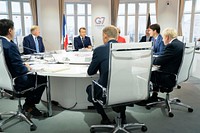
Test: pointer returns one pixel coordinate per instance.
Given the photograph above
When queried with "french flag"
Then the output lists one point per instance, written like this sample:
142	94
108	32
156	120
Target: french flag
64	33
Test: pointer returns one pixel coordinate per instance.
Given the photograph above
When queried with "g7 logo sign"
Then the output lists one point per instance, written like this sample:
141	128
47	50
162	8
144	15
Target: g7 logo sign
99	20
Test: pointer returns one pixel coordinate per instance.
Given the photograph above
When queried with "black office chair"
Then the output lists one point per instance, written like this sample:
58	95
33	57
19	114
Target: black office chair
183	75
7	82
128	82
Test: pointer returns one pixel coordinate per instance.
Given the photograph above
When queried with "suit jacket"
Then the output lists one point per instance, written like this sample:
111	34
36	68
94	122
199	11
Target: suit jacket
158	45
78	44
100	62
29	44
121	39
171	58
13	59
143	39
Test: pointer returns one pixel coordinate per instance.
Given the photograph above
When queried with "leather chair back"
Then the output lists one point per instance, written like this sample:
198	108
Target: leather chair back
187	60
129	72
5	78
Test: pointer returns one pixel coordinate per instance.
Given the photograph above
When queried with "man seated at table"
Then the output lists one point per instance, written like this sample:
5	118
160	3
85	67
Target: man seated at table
17	68
100	62
82	41
158	45
169	62
146	37
33	42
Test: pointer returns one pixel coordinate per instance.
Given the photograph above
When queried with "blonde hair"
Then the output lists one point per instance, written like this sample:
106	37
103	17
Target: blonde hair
111	31
171	32
34	27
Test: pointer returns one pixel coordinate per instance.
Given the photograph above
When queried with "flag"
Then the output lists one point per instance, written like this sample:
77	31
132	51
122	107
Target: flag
148	21
64	33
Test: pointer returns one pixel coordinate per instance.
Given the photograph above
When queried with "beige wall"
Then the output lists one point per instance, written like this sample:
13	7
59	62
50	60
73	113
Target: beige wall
101	12
168	14
49	19
48	11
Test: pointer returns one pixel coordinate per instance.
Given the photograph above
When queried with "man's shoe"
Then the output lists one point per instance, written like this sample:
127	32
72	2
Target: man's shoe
105	122
32	110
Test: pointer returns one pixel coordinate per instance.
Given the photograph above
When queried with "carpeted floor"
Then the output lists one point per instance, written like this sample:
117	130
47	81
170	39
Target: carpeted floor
79	121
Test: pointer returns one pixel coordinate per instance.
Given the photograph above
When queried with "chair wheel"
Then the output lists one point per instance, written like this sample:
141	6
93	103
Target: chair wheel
171	114
92	130
33	127
178	86
144	129
178	100
190	110
148	107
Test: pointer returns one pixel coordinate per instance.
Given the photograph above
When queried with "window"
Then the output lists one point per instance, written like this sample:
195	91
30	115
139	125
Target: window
77	15
20	12
196	31
187	20
132	17
191	20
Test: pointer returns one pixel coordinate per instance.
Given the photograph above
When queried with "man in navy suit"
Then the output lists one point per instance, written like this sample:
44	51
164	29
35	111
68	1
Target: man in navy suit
100	62
158	45
169	62
17	68
82	41
147	37
33	42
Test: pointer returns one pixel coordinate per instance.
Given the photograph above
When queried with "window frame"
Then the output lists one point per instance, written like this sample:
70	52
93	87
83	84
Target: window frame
136	15
21	14
76	15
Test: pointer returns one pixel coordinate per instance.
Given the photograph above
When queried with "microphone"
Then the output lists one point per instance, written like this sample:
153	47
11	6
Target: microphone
30	49
38	55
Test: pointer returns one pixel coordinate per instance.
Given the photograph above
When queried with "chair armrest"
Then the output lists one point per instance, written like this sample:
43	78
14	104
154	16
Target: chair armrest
173	74
31	88
13	80
104	92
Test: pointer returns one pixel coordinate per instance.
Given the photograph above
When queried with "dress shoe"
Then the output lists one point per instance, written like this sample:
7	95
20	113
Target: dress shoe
32	110
105	122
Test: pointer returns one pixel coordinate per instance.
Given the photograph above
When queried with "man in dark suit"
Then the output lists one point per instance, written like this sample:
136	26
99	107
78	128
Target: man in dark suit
17	68
100	62
82	41
147	37
158	45
169	62
33	42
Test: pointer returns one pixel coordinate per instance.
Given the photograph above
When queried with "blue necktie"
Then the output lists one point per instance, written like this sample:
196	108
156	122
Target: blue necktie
37	45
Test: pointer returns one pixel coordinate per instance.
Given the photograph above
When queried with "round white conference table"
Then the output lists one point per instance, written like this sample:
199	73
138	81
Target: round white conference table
67	82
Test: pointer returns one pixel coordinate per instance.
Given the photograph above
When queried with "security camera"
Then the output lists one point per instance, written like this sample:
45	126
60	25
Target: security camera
168	3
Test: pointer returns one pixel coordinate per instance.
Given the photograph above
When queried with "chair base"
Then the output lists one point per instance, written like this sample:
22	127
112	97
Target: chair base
18	114
126	128
167	103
